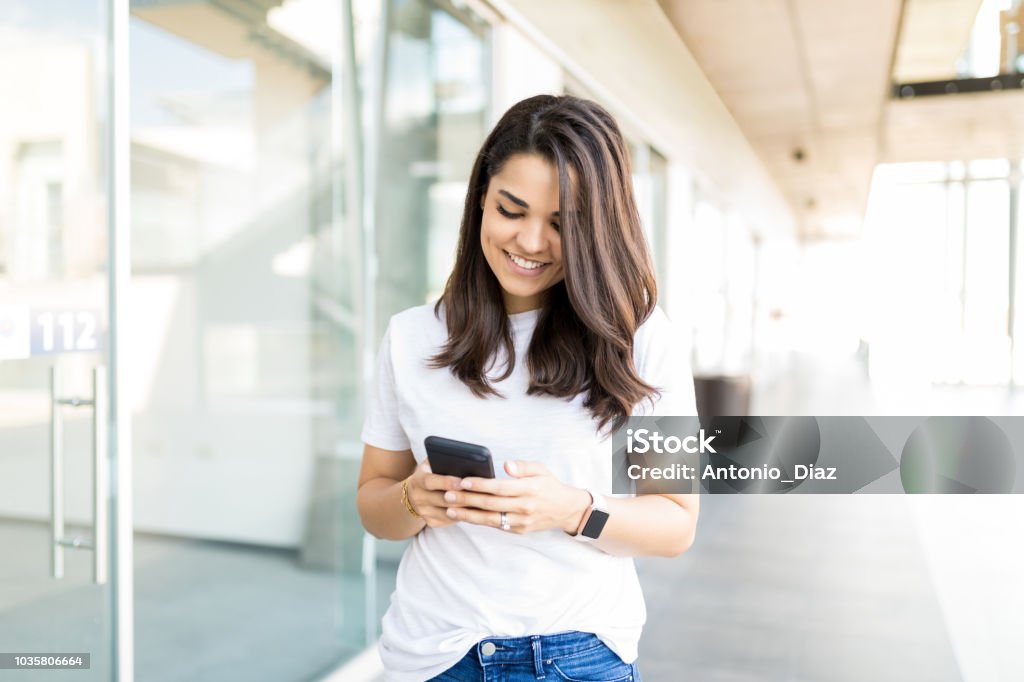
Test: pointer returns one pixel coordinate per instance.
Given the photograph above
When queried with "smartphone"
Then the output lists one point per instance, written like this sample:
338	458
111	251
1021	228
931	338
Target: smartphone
455	458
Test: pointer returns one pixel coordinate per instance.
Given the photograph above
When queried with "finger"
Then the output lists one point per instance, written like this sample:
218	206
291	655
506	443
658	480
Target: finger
427	500
439	520
493	486
520	468
483	501
477	516
439	482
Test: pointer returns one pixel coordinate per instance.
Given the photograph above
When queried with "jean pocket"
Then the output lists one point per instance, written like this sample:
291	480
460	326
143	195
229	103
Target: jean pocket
466	670
599	664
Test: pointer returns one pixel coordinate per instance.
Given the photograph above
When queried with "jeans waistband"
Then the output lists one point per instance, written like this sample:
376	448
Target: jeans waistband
535	647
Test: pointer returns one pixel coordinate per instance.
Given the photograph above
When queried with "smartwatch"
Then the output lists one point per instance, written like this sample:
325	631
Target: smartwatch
593	519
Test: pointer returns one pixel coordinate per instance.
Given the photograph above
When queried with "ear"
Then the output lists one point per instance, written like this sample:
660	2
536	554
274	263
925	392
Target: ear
482	198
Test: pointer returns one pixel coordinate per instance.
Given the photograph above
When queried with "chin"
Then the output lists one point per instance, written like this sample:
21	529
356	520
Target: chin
524	292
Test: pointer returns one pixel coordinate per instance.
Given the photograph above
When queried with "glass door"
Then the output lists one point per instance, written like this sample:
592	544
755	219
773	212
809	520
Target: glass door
246	337
55	578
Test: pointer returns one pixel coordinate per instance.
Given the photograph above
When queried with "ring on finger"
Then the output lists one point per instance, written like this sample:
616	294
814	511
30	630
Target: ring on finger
505	525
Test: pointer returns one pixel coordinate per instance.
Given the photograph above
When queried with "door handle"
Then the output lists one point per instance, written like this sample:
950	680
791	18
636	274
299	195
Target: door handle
56	478
59	542
100	487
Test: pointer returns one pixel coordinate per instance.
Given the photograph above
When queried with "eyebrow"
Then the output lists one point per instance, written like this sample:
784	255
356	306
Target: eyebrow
519	202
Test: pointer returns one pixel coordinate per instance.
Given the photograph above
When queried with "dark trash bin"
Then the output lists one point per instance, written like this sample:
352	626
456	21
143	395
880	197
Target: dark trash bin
722	396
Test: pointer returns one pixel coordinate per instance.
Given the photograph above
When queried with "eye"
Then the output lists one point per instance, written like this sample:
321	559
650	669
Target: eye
558	228
502	211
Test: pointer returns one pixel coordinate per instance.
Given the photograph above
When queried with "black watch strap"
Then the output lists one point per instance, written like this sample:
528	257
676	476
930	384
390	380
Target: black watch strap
597	517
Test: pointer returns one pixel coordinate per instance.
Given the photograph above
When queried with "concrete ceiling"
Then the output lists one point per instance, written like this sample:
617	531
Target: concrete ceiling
987	125
808	82
934	36
813	79
952	127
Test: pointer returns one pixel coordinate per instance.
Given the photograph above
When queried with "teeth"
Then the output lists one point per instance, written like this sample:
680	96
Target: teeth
523	263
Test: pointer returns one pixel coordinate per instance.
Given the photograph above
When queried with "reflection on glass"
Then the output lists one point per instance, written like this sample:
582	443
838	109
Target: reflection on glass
435	98
244	324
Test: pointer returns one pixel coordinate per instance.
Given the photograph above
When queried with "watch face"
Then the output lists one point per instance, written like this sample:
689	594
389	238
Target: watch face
595	524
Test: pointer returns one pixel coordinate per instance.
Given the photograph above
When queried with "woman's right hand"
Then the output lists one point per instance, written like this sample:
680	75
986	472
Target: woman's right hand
426	495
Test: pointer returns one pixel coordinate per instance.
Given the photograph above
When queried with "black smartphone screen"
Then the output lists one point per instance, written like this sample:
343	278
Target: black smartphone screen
456	458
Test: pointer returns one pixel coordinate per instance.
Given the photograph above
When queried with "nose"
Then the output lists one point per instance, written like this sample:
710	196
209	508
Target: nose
532	237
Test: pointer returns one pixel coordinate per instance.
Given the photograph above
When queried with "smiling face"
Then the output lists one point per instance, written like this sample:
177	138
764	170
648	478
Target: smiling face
519	233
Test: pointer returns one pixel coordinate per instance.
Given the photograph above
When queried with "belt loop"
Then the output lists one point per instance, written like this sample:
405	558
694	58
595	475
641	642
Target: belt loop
538	657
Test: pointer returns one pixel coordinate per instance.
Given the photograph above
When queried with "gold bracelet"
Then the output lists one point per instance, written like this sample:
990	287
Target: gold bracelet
406	502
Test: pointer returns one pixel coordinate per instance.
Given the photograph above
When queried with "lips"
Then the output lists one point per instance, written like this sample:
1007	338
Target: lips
520	270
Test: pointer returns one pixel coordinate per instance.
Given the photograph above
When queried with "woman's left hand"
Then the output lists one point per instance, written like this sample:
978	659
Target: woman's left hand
533	500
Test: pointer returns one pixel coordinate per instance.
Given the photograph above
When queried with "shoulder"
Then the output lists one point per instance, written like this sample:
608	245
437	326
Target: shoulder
661	352
657	320
418	329
657	342
656	329
418	317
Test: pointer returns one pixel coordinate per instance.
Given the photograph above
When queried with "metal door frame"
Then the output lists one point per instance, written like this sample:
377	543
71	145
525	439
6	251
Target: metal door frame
119	443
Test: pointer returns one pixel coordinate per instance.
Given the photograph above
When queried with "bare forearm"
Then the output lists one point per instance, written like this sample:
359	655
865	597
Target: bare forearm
382	511
646	525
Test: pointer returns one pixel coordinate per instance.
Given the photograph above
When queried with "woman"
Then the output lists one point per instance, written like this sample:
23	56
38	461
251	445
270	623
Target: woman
545	337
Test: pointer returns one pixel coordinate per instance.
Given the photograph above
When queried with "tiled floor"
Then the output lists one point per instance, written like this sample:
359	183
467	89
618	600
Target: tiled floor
204	611
879	588
796	588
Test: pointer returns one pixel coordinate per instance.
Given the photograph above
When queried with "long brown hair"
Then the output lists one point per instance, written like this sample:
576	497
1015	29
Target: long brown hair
583	340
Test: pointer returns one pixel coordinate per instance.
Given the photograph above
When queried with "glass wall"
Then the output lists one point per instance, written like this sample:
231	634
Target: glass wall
1017	309
245	324
723	284
657	168
436	94
54	596
435	97
945	232
650	182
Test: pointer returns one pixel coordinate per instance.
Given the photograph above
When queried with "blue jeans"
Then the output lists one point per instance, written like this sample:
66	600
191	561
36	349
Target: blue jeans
563	657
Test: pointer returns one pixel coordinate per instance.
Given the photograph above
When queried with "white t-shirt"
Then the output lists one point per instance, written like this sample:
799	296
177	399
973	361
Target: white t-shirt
462	583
